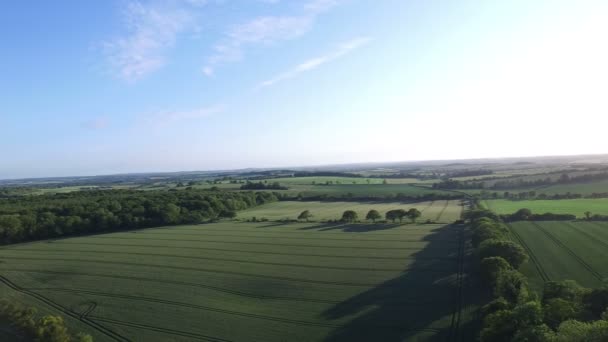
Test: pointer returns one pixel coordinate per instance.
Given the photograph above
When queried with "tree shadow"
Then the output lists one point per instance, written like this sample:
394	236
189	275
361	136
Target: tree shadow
422	304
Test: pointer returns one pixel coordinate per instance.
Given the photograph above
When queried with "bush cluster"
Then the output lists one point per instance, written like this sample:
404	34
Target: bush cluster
25	322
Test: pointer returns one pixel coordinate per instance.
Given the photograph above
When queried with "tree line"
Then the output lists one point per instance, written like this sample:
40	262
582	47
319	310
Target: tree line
351	216
263	186
49	216
566	312
30	327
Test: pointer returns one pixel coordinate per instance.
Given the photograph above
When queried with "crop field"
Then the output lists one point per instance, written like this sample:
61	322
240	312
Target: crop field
576	207
237	281
564	250
441	211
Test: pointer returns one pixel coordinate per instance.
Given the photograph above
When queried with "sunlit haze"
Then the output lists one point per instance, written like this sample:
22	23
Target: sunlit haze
125	86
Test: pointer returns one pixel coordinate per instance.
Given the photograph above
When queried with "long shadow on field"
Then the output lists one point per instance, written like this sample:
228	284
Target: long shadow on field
355	228
419	305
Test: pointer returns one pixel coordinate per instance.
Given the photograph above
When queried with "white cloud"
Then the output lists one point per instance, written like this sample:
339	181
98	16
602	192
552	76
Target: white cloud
152	29
316	62
265	30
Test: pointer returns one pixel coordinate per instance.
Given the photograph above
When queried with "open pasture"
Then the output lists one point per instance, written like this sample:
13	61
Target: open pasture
576	207
249	282
443	211
564	250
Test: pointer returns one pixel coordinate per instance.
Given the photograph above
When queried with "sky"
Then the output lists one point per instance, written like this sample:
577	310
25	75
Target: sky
116	86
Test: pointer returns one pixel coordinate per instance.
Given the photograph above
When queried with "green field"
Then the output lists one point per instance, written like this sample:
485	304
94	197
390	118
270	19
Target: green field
564	250
576	207
251	282
440	211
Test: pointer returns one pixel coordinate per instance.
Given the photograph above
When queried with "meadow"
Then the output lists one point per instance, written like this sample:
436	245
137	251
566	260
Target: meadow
275	282
576	207
440	211
564	250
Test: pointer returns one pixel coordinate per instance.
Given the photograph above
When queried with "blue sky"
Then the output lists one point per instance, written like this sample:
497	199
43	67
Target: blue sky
96	87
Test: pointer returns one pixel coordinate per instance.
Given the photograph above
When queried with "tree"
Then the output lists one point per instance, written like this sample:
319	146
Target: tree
305	215
391	215
349	216
588	215
373	215
492	267
230	214
510	251
522	214
413	214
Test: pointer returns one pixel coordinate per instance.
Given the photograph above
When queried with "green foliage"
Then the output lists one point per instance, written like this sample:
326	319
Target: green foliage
373	215
50	216
492	267
558	310
305	215
413	214
575	331
349	216
512	252
597	301
45	329
512	285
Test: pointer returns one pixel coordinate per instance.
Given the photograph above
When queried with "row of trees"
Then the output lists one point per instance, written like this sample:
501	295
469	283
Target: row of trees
26	322
263	186
372	215
566	312
47	216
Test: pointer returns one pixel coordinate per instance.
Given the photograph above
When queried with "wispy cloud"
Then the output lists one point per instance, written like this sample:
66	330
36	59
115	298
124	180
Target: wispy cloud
265	30
316	62
165	118
152	29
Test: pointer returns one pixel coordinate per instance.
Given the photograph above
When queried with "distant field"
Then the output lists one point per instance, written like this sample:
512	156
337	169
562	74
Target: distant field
251	282
564	250
438	211
370	190
576	207
341	180
579	188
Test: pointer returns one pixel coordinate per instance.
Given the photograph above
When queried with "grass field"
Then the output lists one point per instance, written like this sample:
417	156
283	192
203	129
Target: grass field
576	207
441	211
252	282
564	250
